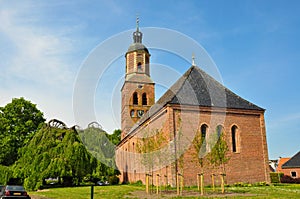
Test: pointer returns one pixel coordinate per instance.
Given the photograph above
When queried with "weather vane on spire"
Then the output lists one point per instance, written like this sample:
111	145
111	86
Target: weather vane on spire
193	60
137	22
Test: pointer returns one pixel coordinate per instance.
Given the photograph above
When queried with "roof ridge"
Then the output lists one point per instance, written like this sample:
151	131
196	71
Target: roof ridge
185	77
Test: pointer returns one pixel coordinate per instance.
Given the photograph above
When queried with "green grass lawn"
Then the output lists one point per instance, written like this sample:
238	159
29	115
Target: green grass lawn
116	191
132	191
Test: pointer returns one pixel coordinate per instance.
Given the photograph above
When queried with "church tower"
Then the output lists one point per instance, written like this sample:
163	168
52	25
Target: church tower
138	88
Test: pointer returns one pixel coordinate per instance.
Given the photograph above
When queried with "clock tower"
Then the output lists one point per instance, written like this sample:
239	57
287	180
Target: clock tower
138	88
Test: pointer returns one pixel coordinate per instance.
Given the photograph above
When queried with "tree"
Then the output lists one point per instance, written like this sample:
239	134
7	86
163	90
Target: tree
152	156
115	138
102	146
218	155
200	150
19	120
54	152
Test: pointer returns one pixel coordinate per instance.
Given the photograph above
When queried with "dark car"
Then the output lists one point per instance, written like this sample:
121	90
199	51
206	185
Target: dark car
14	192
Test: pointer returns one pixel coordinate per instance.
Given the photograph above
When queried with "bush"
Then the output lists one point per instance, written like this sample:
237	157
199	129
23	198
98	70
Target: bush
289	179
260	184
113	180
138	183
241	184
274	177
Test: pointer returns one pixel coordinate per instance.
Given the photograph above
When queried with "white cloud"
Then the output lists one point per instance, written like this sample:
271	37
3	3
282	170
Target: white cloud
37	53
38	60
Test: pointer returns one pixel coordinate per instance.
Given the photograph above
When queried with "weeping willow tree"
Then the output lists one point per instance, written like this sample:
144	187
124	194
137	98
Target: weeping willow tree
102	146
54	152
6	174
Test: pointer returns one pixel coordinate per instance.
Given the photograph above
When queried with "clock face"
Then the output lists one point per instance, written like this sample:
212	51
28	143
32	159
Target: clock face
140	113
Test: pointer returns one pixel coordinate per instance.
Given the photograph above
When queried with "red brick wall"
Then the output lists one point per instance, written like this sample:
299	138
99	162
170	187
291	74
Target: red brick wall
288	172
248	164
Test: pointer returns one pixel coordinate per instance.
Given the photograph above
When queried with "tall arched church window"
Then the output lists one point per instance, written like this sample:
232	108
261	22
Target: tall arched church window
234	138
135	98
139	67
144	99
203	131
204	128
219	130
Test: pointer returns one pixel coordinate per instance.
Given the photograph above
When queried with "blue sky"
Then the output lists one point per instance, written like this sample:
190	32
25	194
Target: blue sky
254	44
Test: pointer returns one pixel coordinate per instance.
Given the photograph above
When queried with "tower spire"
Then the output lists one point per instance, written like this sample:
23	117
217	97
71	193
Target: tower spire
137	23
137	35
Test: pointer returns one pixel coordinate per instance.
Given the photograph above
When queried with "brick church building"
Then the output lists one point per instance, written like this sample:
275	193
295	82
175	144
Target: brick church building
196	103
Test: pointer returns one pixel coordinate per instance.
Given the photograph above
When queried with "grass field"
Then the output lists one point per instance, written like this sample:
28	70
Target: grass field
132	191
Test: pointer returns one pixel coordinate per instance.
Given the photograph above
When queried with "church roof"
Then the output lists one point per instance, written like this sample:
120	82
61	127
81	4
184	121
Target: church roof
294	162
196	87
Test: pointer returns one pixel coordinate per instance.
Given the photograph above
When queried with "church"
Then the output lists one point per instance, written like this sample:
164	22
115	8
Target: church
157	136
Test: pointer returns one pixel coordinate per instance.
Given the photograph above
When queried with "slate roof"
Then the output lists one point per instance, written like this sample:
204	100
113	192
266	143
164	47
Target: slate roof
294	162
195	87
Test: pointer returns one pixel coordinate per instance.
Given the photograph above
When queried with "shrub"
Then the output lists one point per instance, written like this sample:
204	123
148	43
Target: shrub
289	179
242	184
275	177
138	183
113	180
260	184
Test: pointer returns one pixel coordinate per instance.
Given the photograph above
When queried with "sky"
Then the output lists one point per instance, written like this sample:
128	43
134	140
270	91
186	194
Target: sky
49	48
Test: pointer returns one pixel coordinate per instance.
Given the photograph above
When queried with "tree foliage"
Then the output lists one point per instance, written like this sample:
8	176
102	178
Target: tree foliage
54	152
6	174
150	148
218	155
19	120
102	146
200	148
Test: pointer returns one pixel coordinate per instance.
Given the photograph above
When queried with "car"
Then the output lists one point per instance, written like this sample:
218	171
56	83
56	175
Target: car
2	188
101	183
15	192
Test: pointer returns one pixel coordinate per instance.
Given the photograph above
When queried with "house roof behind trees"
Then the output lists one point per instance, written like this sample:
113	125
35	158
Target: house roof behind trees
294	162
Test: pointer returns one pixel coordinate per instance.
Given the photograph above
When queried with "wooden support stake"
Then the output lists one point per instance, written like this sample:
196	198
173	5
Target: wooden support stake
198	183
213	181
201	184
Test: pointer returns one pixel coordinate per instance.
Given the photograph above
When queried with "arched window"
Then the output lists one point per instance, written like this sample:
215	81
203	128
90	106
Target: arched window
204	128
203	131
132	113
219	130
135	98
234	138
144	99
139	66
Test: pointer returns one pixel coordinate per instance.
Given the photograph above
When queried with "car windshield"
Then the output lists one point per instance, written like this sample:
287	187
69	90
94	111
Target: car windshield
15	188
